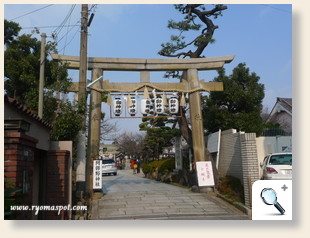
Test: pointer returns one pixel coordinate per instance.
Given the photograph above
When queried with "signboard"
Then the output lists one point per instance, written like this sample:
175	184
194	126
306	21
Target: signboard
178	153
205	173
97	174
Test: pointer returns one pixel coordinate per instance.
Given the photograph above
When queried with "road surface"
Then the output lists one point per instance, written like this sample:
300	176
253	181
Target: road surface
128	196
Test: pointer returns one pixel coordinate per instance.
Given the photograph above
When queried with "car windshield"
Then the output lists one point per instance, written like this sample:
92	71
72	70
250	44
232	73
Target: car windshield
281	159
108	161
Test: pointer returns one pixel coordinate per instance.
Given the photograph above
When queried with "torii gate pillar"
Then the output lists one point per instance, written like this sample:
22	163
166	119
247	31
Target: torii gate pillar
196	117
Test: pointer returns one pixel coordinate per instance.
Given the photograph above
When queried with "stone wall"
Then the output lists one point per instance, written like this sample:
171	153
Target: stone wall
249	164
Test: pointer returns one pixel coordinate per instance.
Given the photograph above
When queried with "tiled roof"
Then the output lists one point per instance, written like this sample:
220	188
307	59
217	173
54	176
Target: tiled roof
286	103
24	109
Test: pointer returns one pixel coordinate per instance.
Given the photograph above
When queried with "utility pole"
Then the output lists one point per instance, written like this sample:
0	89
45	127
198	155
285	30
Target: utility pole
83	55
93	130
82	98
42	66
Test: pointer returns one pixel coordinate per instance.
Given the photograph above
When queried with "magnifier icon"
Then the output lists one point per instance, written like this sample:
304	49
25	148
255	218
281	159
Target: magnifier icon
269	197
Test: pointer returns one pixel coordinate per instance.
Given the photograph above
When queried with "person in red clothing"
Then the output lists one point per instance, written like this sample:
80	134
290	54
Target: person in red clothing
132	163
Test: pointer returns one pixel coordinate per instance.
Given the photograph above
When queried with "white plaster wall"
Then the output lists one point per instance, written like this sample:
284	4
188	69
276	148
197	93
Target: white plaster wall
272	144
37	130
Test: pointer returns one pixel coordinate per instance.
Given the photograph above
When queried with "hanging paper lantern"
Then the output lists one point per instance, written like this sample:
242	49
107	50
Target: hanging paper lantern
133	108
117	106
173	105
147	107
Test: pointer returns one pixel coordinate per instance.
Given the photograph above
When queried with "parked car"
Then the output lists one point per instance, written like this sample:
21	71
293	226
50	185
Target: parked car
277	166
109	167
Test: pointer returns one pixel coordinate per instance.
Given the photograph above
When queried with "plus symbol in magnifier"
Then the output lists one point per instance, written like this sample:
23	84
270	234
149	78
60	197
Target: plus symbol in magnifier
284	187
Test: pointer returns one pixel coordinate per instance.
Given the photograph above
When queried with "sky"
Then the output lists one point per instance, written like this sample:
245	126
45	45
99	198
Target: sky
259	35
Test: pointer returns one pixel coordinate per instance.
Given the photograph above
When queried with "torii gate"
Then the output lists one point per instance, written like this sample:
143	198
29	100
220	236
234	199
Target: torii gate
190	84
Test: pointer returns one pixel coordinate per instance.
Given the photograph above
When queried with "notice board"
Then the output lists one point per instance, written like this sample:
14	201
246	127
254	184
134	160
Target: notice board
97	174
205	173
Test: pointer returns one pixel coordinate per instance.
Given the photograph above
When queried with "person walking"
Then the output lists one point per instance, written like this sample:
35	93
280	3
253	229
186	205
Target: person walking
138	166
135	166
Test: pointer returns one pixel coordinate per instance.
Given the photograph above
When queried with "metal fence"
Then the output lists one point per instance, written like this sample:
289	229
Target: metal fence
275	132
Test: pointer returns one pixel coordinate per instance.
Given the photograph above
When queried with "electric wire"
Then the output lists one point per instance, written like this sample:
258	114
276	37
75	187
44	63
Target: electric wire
276	8
70	40
66	34
39	27
26	14
64	48
61	25
56	32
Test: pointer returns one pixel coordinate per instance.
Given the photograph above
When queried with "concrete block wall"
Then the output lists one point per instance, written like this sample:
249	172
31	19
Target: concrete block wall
230	154
249	164
57	183
238	158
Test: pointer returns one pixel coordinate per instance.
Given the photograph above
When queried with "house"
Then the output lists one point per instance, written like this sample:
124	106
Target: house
281	114
39	167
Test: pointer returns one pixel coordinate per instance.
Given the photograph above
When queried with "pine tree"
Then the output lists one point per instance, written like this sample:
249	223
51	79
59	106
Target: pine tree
240	104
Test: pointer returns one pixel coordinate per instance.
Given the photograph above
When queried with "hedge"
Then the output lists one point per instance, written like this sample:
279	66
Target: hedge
164	166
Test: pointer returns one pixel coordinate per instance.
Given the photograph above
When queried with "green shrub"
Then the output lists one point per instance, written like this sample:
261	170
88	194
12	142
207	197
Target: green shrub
10	198
166	166
146	168
231	188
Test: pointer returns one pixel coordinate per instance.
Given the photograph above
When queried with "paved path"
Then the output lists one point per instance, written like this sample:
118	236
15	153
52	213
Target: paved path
129	196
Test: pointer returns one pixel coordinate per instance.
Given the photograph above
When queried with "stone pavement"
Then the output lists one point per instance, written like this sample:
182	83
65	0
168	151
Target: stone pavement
129	196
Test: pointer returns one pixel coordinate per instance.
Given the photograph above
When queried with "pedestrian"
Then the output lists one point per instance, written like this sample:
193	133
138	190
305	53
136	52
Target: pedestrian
135	166
138	166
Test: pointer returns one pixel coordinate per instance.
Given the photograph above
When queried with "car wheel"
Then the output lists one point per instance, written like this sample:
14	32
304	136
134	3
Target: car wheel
115	174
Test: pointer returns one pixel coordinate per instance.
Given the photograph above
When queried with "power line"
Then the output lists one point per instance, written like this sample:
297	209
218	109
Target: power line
67	33
69	19
93	8
30	27
276	8
59	28
32	12
69	41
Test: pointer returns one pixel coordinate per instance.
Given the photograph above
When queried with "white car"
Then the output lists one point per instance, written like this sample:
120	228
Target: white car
277	166
109	167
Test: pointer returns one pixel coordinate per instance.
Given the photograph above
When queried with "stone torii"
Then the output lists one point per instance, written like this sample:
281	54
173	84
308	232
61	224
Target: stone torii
191	84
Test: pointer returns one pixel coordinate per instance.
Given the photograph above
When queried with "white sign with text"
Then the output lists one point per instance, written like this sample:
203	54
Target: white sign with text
205	173
97	174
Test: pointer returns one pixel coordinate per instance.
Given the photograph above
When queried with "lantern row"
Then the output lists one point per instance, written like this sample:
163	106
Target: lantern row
149	106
